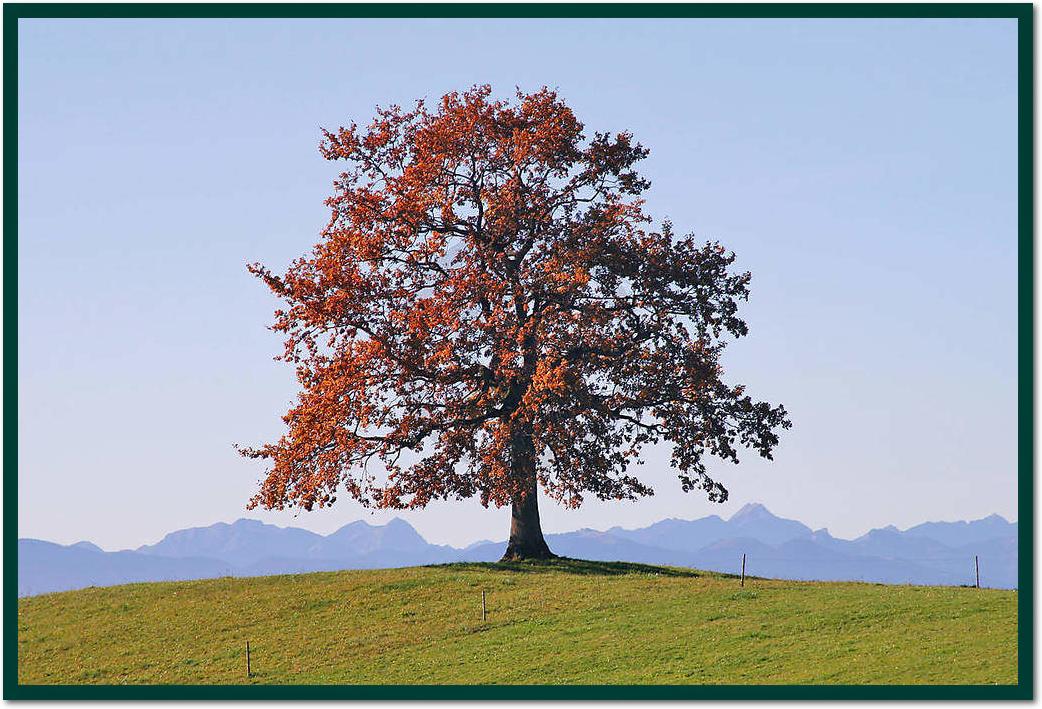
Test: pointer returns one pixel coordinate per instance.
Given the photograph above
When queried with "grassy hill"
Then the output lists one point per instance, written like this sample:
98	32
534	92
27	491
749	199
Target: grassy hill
565	621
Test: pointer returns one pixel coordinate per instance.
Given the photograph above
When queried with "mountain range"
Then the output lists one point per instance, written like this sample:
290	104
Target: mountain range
933	553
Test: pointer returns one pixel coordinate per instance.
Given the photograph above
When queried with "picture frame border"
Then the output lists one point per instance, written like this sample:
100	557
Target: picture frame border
1021	12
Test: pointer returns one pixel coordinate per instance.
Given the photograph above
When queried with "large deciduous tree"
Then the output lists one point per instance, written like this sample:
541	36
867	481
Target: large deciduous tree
488	312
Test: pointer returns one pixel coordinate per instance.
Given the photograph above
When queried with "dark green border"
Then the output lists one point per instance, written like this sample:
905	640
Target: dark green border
1019	11
1022	12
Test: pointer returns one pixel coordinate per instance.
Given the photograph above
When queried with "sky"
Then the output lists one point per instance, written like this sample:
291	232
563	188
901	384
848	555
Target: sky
864	171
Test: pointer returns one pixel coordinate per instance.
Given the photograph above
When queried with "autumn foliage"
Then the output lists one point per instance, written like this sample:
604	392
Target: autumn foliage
488	310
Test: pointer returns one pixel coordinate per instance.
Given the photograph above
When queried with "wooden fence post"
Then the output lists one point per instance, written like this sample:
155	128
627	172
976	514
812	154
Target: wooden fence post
247	658
976	568
483	616
743	570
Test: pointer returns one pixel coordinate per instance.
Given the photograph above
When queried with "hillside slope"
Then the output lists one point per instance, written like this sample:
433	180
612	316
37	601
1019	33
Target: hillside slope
562	622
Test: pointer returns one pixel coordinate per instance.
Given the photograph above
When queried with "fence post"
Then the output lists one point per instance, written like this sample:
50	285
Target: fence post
247	658
976	568
483	605
743	569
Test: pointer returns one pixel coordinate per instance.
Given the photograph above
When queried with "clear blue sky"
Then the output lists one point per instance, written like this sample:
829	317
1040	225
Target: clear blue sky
864	171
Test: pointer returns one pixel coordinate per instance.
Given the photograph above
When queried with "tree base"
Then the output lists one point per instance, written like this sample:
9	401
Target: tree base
520	551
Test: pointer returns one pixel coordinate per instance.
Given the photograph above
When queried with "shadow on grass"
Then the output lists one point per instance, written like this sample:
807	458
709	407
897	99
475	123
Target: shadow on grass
573	566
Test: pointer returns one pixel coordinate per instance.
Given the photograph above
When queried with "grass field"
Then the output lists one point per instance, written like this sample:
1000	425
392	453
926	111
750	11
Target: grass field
561	622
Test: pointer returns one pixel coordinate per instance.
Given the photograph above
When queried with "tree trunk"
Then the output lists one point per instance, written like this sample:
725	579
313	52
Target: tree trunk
526	534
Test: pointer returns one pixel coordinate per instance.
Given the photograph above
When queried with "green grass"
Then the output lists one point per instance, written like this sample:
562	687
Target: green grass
560	622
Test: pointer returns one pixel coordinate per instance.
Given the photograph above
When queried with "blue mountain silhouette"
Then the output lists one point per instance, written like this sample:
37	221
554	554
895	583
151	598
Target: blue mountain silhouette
929	553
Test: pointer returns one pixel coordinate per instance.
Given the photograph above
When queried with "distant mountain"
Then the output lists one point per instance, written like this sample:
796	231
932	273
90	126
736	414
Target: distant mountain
86	546
677	534
602	546
44	567
255	548
888	543
930	553
755	522
242	543
957	534
751	522
361	539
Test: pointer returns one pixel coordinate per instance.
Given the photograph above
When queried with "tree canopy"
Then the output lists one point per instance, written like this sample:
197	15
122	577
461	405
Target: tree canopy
489	309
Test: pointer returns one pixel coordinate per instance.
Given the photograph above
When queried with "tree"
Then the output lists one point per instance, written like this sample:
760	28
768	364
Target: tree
487	312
